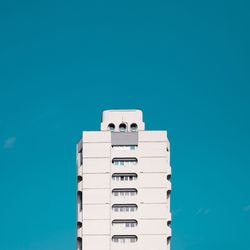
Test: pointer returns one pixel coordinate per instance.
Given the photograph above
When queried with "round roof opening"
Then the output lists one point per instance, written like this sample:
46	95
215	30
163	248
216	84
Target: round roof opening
111	127
133	127
122	127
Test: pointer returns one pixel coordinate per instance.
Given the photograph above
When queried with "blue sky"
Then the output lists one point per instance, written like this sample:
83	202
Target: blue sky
185	63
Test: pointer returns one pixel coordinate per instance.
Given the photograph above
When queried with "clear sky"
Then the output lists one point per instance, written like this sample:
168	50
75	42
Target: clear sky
184	63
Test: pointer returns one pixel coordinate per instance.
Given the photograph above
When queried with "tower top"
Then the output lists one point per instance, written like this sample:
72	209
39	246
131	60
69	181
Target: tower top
122	120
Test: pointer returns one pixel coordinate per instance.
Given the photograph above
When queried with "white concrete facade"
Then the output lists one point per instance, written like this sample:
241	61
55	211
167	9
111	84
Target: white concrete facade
123	189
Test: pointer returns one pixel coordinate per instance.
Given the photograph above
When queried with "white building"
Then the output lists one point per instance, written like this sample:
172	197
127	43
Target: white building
123	193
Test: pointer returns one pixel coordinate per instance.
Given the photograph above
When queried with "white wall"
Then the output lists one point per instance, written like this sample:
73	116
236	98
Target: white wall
94	227
96	242
153	165
96	196
96	180
98	211
96	150
96	165
152	184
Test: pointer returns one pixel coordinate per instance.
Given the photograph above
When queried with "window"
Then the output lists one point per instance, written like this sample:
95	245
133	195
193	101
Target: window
79	243
122	127
168	194
124	177
124	238
133	239
169	177
124	192
81	157
125	223
124	207
124	147
79	225
115	239
169	223
111	127
124	161
168	240
133	127
79	200
132	209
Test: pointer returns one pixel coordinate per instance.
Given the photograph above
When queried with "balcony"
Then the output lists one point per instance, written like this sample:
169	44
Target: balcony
124	151
80	170
124	238
79	185
169	216
124	195
124	211
169	186
124	192
119	243
79	229
169	170
169	231
79	243
79	216
124	227
124	161
124	177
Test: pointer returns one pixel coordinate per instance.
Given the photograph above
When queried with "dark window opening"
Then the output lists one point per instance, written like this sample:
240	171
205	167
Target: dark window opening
133	127
124	207
124	177
124	238
126	223
79	225
168	240
79	200
81	157
79	243
124	161
168	194
124	192
111	127
122	127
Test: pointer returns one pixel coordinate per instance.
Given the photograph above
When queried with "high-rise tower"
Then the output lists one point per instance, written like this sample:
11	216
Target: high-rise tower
123	191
